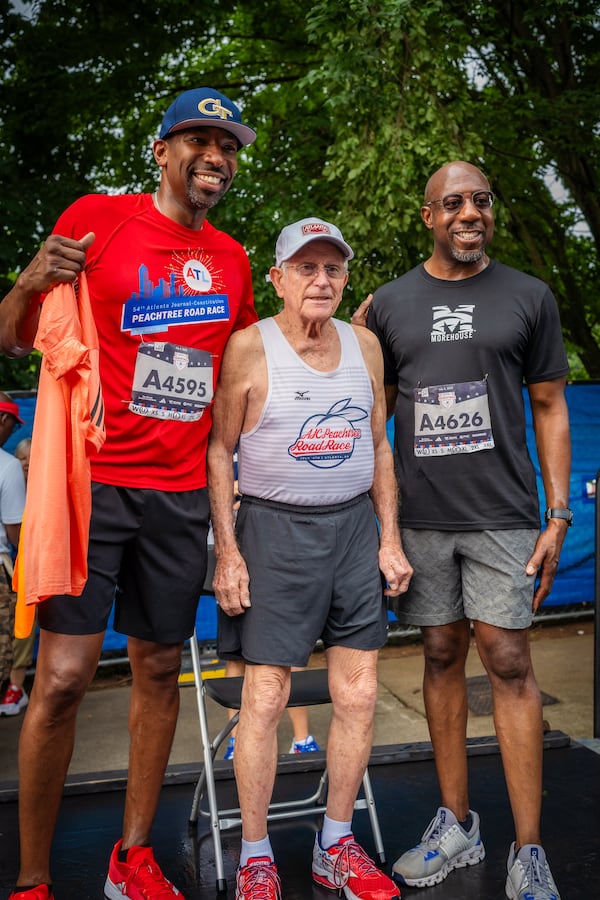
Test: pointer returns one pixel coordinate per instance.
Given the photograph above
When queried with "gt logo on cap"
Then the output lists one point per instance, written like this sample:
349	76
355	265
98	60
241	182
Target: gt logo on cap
214	107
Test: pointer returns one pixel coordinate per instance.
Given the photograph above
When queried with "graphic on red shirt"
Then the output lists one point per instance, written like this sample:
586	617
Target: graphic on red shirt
195	273
156	307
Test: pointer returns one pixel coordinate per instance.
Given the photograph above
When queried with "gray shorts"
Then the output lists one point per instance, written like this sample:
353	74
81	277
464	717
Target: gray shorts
314	574
147	557
468	575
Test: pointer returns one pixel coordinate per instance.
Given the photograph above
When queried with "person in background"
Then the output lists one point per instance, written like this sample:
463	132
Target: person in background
304	559
167	289
302	740
12	503
460	334
22	453
15	698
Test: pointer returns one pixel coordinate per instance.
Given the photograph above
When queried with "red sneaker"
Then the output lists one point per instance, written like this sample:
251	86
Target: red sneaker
346	867
140	878
39	892
258	880
14	700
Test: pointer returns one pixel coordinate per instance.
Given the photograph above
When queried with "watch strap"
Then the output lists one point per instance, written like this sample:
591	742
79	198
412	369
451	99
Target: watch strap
566	514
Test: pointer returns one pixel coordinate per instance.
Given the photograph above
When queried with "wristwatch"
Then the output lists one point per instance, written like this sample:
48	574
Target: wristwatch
566	514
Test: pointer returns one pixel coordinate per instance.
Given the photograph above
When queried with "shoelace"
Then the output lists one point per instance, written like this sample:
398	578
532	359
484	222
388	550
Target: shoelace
150	881
351	859
537	874
434	831
262	881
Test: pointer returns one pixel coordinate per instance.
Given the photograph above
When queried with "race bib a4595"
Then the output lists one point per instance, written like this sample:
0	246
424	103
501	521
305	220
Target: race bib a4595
171	381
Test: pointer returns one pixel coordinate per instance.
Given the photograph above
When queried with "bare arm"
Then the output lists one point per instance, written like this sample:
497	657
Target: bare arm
391	394
551	425
384	492
241	358
13	532
60	259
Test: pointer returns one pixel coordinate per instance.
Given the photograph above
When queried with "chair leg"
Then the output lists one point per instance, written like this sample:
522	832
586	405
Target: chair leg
372	809
208	770
322	788
214	746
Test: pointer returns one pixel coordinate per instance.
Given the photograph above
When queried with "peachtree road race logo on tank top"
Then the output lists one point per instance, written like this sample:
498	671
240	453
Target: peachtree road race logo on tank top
193	293
452	325
326	440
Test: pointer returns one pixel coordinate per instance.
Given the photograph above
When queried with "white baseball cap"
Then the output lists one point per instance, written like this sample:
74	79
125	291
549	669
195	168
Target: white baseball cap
296	235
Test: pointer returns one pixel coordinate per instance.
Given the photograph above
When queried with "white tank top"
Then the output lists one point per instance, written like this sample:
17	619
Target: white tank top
312	445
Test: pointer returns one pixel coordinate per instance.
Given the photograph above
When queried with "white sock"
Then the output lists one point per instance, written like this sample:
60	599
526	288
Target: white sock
253	849
333	831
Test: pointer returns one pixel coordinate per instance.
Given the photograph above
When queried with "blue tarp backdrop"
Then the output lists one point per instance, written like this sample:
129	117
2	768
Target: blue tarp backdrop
574	583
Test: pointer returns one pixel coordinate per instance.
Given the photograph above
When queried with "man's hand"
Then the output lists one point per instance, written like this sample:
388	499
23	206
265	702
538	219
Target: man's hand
231	583
59	260
396	569
544	560
359	317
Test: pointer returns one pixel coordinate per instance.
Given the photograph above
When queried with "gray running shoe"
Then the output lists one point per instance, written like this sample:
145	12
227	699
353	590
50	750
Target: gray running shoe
444	846
529	875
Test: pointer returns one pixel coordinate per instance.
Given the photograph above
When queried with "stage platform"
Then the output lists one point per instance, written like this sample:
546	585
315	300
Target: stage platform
406	793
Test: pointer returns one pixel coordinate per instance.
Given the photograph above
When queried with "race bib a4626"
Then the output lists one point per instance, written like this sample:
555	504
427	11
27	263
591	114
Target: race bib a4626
452	418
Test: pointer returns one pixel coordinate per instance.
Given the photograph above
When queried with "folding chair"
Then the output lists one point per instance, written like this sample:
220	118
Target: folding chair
309	688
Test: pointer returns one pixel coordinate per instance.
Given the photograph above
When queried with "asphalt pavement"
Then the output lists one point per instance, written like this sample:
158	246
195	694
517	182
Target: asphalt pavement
563	658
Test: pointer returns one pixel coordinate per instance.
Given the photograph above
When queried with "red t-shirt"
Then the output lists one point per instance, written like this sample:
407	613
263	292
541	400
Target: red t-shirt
165	300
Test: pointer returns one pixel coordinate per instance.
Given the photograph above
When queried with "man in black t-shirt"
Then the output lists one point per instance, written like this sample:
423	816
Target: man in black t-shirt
460	334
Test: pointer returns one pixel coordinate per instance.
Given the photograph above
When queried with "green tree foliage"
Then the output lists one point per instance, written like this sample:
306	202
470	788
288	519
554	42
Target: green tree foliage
510	86
356	102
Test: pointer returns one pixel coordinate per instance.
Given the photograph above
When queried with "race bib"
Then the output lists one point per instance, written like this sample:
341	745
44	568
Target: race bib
452	418
171	382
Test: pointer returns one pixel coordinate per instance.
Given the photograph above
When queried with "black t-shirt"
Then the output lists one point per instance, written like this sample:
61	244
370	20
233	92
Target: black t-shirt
488	333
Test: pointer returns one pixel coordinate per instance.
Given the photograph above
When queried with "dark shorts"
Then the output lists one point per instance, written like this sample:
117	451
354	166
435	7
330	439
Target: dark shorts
147	555
314	574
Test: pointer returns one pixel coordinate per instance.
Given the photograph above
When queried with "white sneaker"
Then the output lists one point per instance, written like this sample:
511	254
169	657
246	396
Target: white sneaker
529	875
445	846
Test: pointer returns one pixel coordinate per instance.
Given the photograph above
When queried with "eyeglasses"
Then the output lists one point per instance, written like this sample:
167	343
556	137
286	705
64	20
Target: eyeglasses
452	203
310	270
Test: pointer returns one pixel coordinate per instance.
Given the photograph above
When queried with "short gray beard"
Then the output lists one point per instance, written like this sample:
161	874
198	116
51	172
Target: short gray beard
467	256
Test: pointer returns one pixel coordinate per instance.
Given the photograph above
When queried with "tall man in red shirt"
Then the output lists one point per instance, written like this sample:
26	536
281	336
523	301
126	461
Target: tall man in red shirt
167	290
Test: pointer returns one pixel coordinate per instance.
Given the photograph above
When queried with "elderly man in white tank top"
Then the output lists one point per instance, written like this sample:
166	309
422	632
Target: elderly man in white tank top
315	549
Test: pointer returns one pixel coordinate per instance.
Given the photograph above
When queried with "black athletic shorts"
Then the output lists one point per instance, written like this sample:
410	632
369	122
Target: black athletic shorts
147	555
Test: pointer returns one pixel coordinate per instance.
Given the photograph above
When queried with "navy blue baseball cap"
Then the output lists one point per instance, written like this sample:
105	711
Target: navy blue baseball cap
205	107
